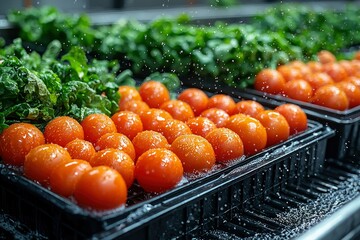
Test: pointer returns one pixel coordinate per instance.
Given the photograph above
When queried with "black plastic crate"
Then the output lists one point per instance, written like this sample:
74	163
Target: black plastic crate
345	143
209	206
56	217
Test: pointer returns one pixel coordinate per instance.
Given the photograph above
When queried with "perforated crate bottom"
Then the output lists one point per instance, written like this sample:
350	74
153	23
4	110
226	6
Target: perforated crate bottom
294	210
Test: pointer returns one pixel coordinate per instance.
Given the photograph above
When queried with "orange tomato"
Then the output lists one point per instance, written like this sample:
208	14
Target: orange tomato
332	97
101	188
173	129
289	73
42	160
62	130
128	93
319	79
249	107
158	170
217	116
315	66
136	106
222	101
117	141
354	80
325	57
154	118
154	93
352	92
299	90
200	126
80	149
277	128
195	153
226	143
196	98
295	117
118	160
127	123
66	175
95	125
269	81
148	139
178	109
336	71
17	140
250	130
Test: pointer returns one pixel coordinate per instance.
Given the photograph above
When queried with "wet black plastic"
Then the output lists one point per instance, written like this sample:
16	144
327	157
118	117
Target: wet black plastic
346	142
249	186
58	217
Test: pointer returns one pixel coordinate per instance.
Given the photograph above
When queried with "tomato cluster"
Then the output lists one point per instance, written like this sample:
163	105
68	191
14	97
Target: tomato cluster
152	140
326	82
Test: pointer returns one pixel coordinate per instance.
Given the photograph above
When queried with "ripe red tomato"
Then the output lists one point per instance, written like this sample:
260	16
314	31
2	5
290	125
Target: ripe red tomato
195	153
101	188
173	129
17	140
269	81
299	90
277	128
289	73
158	170
128	93
80	149
352	92
295	117
222	101
251	132
127	123
42	160
136	106
62	130
117	141
332	97
154	93
326	57
66	175
178	109
154	119
196	98
200	126
249	107
118	160
217	116
226	143
95	125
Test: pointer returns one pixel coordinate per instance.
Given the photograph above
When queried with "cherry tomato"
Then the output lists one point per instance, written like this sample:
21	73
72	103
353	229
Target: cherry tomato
117	141
277	128
299	90
66	175
154	118
222	101
315	66
251	132
158	170
17	140
101	188
118	160
196	98
195	153
326	57
335	71
128	93
80	149
136	106
319	79
289	73
42	160
332	97
217	116
269	81
226	143
154	93
95	125
148	139
127	123
178	109
173	129
200	126
249	107
62	130
295	117
352	92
